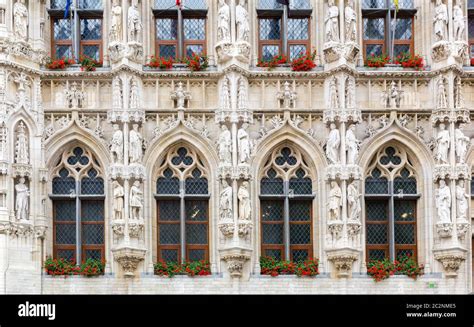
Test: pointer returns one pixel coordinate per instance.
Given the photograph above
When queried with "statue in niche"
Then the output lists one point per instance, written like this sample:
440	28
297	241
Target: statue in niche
350	93
21	146
443	202
223	21
134	23
117	98
20	20
334	202
225	146
333	144
245	207
442	145
353	200
287	96
462	199
117	144
462	143
440	21
242	94
136	201
459	24
333	94
118	200
441	96
242	20
225	202
458	97
352	144
136	145
21	204
74	96
350	17
392	96
134	94
116	23
332	22
225	94
3	141
243	143
180	95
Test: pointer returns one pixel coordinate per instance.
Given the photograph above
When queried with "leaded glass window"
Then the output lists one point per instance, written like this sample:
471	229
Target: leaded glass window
78	206
390	197
182	193
470	26
286	196
275	38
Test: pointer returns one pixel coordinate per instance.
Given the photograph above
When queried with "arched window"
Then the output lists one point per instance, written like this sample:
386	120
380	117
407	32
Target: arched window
390	198
286	197
78	207
182	196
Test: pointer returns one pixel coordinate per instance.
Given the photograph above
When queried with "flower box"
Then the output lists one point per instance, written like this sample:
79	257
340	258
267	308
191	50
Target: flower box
191	268
62	267
404	265
270	266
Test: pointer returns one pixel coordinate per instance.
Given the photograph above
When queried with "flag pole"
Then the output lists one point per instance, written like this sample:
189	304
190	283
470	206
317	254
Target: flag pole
393	32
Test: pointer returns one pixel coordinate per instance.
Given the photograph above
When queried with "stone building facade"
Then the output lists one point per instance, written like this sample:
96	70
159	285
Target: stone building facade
131	165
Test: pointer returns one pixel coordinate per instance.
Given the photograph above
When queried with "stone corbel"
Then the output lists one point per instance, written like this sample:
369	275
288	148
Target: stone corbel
451	259
343	259
129	259
444	230
227	228
235	259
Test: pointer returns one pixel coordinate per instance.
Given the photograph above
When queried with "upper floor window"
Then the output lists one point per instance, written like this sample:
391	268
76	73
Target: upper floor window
180	31
470	14
379	24
283	29
80	32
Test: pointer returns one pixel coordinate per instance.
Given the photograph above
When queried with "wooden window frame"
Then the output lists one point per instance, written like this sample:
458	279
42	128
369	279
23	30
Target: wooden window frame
55	42
59	247
279	42
202	42
385	247
307	42
166	42
99	42
309	246
280	247
470	16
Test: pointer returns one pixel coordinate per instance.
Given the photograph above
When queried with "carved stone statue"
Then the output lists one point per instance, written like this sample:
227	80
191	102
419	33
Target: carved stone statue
242	21
3	142
21	146
225	202
134	24
441	21
443	202
332	145
243	143
458	96
225	94
334	202
225	146
459	25
136	145
223	21
442	145
20	20
393	96
180	95
115	33
287	96
350	17
350	93
242	94
462	199
134	95
118	200
117	94
462	143
333	94
331	22
74	96
21	204
136	201
245	207
441	96
116	147
352	144
353	201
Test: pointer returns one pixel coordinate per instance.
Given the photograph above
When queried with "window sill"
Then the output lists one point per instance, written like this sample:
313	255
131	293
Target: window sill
393	68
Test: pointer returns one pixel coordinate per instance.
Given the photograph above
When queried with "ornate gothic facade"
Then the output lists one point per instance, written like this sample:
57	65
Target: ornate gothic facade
132	165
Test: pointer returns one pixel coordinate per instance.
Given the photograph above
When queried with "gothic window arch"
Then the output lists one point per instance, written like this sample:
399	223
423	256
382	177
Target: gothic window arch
182	194
286	206
391	196
78	206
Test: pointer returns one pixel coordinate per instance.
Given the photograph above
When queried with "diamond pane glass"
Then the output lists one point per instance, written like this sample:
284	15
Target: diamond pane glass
374	28
78	157
400	49
90	4
165	4
271	184
91	51
269	4
65	210
182	157
404	252
285	158
167	184
404	233
68	255
270	51
62	29
297	51
167	51
298	29
404	183
300	234
92	234
63	51
405	4
300	211
377	210
93	254
197	184
270	28
192	49
169	233
272	233
196	255
66	234
403	30
472	186
373	50
470	4
376	184
272	210
92	184
91	29
377	254
299	255
196	233
377	234
274	253
390	157
64	184
194	28
301	184
373	4
169	255
300	4
58	4
167	29
92	210
168	210
471	27
196	210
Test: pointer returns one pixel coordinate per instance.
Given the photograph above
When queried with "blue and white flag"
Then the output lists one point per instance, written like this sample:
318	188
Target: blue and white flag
68	7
